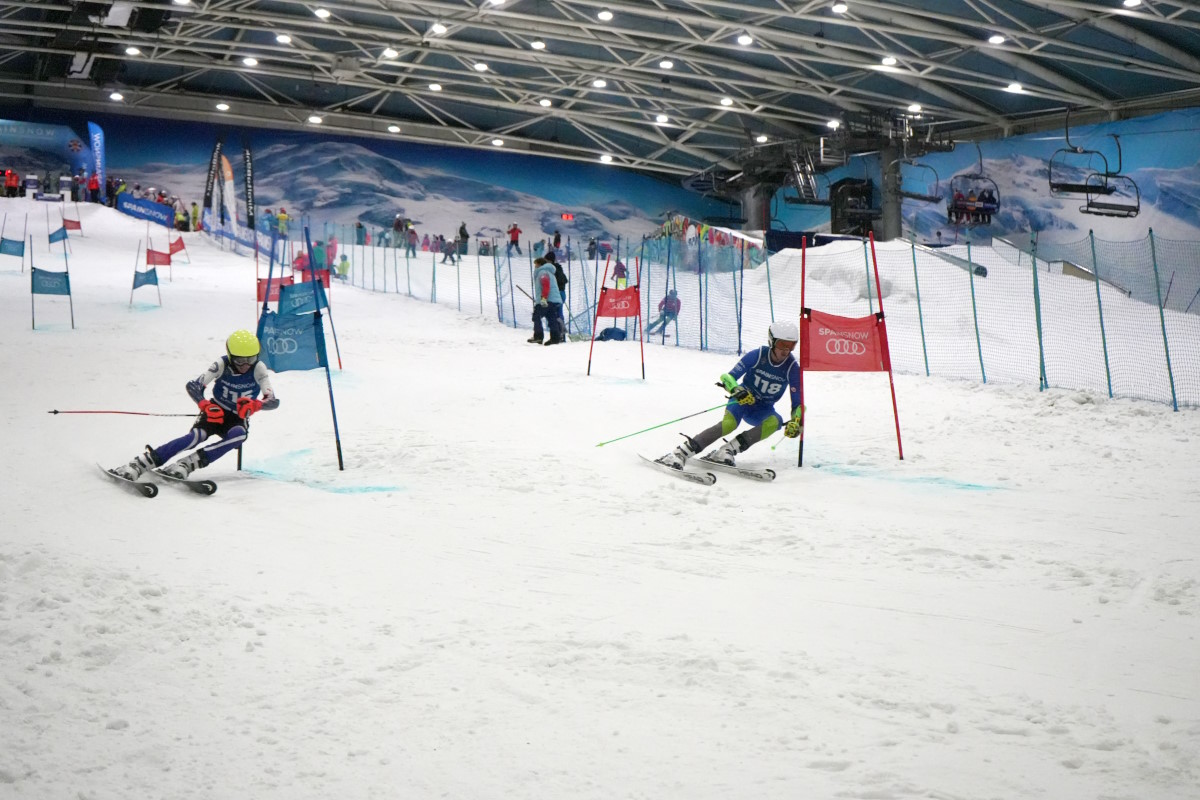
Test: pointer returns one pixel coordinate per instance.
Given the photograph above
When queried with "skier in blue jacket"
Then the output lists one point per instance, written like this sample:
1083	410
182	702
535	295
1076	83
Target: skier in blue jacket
755	384
237	379
547	303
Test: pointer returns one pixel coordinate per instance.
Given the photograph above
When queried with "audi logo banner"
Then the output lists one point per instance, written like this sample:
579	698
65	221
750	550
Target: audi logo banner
844	344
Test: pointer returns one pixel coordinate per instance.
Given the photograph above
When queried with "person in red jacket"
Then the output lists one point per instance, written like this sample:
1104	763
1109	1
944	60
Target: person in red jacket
514	239
12	183
668	310
93	187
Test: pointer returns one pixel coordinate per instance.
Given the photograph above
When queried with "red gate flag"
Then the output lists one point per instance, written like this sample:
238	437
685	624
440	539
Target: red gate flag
619	302
322	275
275	284
843	344
72	224
155	258
177	245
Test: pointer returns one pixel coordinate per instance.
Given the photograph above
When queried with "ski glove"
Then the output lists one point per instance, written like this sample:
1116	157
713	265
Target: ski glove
795	427
743	396
195	390
212	412
543	302
247	406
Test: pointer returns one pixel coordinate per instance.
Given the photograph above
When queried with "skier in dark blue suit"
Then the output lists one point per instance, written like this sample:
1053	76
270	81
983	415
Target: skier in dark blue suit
765	374
237	378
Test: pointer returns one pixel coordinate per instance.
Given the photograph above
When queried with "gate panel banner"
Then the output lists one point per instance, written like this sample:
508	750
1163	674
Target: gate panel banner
44	282
275	284
843	344
619	302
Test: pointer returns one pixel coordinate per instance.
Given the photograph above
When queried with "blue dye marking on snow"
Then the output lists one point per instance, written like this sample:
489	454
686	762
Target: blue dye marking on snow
324	487
279	473
928	480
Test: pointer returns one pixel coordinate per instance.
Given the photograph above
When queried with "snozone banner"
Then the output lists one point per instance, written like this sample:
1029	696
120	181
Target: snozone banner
291	342
214	163
248	164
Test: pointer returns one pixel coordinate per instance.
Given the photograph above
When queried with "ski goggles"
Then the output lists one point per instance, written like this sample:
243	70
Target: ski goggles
243	361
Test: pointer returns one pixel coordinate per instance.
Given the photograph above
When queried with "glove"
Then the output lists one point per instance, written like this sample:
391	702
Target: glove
247	406
795	427
212	412
743	396
195	390
270	405
543	302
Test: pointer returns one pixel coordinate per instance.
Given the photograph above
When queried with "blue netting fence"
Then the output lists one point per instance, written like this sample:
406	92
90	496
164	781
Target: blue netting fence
1117	318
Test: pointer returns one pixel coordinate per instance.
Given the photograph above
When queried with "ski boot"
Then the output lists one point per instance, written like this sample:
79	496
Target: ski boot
134	469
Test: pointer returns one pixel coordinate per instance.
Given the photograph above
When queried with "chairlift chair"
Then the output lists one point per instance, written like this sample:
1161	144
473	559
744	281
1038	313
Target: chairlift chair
964	212
1112	196
935	196
1059	174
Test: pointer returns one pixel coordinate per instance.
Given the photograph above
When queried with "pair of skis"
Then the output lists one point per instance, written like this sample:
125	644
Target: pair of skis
149	489
697	473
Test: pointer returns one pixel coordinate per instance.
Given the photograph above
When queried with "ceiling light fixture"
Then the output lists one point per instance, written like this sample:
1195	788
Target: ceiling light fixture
435	87
498	142
840	8
538	44
888	61
222	106
481	67
604	15
1132	3
996	38
389	52
726	101
666	63
393	128
497	2
915	108
438	28
761	138
132	51
833	124
606	158
283	38
599	83
250	61
660	119
182	2
1014	87
116	96
745	39
323	13
544	103
315	119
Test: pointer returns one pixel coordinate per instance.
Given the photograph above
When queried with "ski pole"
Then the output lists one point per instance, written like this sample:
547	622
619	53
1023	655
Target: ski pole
135	413
689	416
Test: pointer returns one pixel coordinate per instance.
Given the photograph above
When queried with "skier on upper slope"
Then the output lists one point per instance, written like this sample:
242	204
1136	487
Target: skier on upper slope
237	379
765	374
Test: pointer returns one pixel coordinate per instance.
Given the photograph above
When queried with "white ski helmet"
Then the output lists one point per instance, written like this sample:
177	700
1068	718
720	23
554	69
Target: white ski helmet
783	330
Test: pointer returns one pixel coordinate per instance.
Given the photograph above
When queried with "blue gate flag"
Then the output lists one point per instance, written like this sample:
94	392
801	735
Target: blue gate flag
147	278
59	235
291	342
298	298
45	282
12	247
